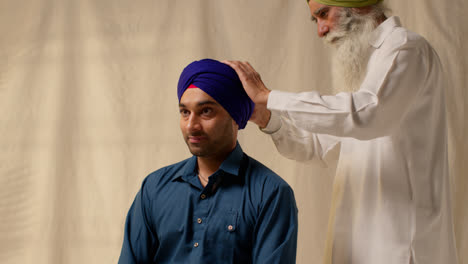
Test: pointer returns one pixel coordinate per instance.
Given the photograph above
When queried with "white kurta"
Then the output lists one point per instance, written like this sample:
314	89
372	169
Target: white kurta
392	183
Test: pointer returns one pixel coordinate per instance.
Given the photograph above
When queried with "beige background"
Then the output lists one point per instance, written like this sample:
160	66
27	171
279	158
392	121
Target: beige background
88	108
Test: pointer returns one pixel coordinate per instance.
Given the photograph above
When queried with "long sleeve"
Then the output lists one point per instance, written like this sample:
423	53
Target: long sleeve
275	238
296	143
391	189
140	243
392	83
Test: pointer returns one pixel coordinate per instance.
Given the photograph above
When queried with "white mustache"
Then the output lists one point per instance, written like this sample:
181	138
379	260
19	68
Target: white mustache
334	36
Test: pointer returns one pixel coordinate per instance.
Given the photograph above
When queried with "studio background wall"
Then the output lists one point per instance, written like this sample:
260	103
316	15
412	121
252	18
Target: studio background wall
89	108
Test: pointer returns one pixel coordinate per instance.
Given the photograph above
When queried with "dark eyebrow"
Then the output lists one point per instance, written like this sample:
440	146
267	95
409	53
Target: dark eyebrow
318	11
207	102
202	103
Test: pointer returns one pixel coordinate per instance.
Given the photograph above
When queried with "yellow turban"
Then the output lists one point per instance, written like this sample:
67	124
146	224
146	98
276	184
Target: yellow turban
347	3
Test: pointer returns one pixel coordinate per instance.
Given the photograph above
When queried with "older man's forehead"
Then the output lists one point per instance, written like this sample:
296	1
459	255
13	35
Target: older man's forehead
320	9
316	7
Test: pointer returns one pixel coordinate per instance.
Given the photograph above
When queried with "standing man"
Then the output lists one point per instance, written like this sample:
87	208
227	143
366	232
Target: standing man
392	194
219	206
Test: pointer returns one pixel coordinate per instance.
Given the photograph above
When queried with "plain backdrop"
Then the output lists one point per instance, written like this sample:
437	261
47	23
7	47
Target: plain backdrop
88	108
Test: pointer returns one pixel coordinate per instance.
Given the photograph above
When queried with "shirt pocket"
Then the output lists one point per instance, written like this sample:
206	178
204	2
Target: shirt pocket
222	230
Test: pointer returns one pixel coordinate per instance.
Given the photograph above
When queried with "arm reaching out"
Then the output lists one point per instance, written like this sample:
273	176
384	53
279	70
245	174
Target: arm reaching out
255	89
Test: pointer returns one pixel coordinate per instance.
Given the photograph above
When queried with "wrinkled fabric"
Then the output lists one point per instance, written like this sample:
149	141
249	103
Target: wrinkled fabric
391	200
245	214
221	82
87	93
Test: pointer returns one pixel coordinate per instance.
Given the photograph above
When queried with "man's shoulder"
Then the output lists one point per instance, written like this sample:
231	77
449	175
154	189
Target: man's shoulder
165	174
403	37
265	185
262	174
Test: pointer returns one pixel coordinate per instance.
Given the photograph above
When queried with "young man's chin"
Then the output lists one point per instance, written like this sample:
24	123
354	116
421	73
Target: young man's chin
196	150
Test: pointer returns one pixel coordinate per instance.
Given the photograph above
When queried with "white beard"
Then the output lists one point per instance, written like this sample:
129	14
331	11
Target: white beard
351	41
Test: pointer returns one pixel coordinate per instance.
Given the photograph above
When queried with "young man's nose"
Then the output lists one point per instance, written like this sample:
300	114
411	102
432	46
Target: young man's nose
193	123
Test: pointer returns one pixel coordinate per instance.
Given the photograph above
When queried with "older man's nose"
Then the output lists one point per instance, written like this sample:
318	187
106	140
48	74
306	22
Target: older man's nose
322	29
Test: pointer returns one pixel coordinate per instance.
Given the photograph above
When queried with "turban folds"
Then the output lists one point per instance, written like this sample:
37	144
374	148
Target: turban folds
347	3
221	82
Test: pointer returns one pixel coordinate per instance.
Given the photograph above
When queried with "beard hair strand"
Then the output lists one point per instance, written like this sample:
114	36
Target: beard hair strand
351	42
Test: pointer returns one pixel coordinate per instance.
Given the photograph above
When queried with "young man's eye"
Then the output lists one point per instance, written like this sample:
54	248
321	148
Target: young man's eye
184	112
207	111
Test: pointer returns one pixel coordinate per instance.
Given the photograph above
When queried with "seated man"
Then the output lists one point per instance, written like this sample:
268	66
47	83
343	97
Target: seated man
219	206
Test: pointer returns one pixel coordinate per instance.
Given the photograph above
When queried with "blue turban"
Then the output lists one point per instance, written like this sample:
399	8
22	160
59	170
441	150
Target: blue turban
221	82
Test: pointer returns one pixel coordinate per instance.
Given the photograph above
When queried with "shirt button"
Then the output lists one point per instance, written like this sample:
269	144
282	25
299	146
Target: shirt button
203	196
230	227
199	220
196	244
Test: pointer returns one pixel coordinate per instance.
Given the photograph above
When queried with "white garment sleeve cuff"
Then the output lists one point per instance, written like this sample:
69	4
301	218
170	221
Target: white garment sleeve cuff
273	125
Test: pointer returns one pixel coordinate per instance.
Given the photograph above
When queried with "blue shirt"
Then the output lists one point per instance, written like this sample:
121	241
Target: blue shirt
245	214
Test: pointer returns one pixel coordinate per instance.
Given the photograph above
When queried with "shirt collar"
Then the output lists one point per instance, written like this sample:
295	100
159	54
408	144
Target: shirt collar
231	165
383	30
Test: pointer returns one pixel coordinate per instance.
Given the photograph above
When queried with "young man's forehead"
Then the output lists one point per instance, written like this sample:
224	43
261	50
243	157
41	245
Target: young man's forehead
198	97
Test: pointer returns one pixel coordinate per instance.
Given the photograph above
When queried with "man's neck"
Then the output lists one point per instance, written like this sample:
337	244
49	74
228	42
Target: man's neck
381	19
209	165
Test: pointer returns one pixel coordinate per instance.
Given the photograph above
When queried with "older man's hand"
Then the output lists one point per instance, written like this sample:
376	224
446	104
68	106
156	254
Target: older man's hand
251	80
255	89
